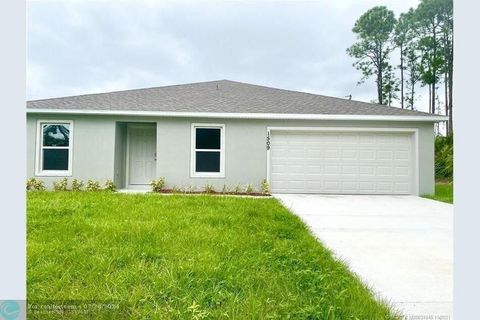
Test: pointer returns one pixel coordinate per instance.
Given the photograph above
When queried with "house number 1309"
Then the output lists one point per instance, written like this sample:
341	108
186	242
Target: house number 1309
268	140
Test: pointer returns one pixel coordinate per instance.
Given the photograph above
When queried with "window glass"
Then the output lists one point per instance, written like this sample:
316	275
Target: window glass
56	135
55	159
207	138
207	161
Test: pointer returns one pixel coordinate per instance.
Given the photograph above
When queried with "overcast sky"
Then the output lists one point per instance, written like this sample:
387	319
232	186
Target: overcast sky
77	47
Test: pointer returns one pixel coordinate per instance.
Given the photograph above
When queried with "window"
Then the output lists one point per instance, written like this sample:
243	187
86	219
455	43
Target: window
54	154
208	150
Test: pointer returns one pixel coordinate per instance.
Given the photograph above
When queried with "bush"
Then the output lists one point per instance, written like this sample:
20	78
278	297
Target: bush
224	189
237	189
158	184
93	185
35	185
60	185
209	188
110	186
249	188
265	187
444	157
176	189
77	185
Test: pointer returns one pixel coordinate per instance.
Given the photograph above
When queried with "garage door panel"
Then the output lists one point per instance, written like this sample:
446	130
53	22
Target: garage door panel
349	154
349	170
385	155
314	170
314	153
366	186
331	153
385	186
366	170
332	169
402	154
366	154
315	185
332	186
403	171
342	163
350	186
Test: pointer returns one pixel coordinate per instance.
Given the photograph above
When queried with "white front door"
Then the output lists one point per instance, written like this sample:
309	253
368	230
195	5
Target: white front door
142	154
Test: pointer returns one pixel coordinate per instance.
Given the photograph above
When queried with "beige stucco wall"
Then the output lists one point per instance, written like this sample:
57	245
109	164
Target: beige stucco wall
99	150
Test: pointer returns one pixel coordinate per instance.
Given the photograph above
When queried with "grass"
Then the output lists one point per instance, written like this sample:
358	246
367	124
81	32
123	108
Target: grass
443	192
186	257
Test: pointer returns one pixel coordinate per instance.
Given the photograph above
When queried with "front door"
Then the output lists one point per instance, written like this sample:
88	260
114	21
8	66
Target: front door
142	154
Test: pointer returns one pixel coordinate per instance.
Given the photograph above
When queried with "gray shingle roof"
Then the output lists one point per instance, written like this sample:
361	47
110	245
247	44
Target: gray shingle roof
219	96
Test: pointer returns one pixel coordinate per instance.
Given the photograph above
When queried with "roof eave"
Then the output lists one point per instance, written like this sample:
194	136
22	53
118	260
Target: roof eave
283	116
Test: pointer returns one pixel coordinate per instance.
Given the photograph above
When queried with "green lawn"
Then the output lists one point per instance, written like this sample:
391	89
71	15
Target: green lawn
186	257
443	192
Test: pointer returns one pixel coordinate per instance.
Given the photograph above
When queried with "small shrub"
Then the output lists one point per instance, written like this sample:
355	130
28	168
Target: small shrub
192	189
249	188
60	185
110	186
35	185
31	184
176	189
93	185
40	186
225	189
265	187
209	188
157	184
237	189
77	185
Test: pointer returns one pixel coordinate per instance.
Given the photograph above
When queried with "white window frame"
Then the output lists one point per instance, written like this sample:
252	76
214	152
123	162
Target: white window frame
39	147
193	150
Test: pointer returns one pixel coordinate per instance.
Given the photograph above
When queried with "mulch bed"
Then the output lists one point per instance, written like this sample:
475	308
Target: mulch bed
252	194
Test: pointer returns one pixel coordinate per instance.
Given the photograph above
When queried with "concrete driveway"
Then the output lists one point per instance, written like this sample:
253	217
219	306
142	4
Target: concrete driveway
400	246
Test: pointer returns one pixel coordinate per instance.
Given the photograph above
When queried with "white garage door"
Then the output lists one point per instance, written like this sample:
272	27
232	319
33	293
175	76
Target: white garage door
342	162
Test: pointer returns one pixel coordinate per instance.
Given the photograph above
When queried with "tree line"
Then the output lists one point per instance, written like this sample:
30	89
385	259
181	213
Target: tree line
423	37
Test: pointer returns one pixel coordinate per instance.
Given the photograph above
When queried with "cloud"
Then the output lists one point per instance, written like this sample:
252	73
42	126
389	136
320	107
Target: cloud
77	47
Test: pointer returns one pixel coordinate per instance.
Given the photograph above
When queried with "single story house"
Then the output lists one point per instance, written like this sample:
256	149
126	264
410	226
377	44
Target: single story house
231	133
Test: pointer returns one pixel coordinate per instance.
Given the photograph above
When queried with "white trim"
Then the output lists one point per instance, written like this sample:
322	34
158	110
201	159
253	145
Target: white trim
127	159
38	151
231	115
193	173
269	139
414	131
340	129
